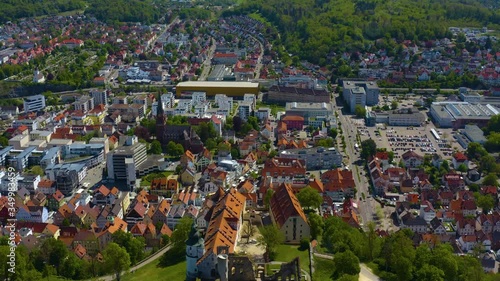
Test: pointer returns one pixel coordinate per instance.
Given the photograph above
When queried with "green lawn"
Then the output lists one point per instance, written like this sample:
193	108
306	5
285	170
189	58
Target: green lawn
153	272
146	180
323	269
286	253
274	107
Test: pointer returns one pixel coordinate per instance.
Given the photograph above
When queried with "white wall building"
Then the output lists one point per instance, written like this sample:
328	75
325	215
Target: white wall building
34	103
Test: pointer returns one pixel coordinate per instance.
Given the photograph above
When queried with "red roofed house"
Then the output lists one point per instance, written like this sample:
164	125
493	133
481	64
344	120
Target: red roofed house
411	159
458	159
383	157
228	58
293	122
72	43
338	184
284	169
288	215
454	182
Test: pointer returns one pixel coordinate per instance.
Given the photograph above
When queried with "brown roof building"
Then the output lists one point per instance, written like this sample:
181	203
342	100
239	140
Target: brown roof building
288	214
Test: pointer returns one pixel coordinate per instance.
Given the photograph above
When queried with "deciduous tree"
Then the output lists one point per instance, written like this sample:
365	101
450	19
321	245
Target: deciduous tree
345	263
368	148
309	198
116	259
491	179
270	237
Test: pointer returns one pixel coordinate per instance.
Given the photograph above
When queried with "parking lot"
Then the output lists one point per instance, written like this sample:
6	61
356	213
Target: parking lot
401	139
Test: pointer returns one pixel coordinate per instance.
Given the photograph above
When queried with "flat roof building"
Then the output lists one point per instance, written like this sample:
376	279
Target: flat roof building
130	162
400	117
20	161
34	103
212	88
221	72
471	133
314	113
360	93
316	158
458	114
280	94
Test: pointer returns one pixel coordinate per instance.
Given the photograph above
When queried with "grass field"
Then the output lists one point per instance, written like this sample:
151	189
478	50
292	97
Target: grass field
286	253
323	269
153	272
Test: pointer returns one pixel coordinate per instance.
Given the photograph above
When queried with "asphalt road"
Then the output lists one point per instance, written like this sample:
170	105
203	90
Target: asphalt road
208	62
365	207
258	66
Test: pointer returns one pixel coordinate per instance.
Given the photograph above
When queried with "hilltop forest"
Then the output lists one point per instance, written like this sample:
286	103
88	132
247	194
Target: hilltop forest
14	9
311	29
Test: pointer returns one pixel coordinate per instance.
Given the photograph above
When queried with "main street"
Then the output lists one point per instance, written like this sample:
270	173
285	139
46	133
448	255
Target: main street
207	64
355	163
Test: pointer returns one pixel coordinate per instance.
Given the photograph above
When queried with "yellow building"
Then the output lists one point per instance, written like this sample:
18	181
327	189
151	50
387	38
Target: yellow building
97	114
228	88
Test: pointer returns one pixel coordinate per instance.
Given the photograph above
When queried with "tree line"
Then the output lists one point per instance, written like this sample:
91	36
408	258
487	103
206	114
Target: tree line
15	9
313	29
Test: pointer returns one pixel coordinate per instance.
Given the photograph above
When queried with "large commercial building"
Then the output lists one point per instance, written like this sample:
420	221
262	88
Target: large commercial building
314	113
360	93
230	89
279	94
100	97
66	176
123	162
316	158
84	103
130	162
471	133
20	161
400	117
221	72
458	114
34	103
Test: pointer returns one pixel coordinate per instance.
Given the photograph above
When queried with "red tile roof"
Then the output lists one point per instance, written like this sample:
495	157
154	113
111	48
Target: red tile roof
284	204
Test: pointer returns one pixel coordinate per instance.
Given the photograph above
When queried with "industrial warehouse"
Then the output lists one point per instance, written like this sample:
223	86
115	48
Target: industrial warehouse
230	89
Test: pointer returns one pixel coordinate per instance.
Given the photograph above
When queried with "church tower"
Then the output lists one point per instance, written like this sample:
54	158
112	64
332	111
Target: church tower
195	248
161	121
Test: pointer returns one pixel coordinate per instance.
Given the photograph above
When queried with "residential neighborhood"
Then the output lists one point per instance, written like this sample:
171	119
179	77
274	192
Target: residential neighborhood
194	144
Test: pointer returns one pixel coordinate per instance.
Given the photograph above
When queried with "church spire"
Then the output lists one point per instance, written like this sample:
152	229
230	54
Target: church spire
159	109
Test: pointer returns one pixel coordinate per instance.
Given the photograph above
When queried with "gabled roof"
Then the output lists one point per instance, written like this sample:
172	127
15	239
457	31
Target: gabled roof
165	230
85	235
284	204
382	155
137	211
80	251
139	228
102	190
245	186
221	230
460	157
411	154
316	184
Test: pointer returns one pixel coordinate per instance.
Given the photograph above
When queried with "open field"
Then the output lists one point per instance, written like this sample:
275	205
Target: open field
287	253
153	272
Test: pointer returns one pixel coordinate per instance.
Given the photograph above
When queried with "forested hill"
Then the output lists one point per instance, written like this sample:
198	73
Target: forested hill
313	28
11	10
146	11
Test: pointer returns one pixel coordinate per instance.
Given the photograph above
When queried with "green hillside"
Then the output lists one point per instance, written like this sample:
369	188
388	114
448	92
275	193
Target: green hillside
311	29
11	10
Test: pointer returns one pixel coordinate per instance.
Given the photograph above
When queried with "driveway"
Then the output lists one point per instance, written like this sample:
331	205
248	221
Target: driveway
366	274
